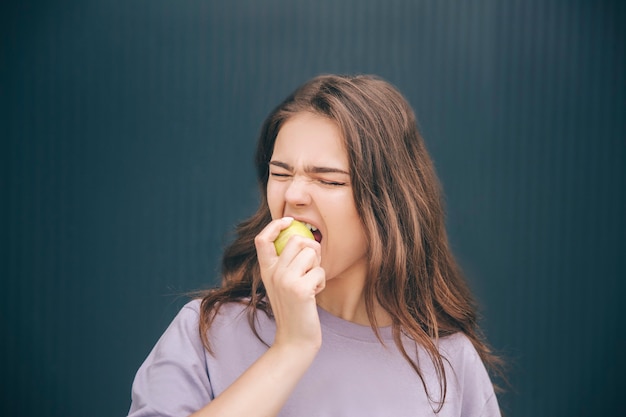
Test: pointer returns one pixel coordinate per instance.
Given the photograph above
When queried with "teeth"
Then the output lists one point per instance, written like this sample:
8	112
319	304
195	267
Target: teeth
311	227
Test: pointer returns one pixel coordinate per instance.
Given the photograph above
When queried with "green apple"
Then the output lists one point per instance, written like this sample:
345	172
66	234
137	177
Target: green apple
295	228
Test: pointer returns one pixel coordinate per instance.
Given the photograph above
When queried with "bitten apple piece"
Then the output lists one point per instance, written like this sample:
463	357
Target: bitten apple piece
295	228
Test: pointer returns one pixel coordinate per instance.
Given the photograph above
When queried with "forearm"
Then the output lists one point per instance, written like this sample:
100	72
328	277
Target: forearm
264	388
292	281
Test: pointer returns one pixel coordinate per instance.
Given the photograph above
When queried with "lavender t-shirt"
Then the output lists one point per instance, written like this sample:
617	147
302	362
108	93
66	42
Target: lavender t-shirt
352	375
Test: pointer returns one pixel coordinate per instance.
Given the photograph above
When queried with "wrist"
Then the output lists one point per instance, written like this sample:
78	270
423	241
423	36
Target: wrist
296	354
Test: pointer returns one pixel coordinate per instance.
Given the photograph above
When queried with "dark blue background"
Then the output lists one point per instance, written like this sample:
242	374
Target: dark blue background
128	130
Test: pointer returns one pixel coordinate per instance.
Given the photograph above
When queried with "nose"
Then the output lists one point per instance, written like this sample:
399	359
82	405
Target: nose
297	193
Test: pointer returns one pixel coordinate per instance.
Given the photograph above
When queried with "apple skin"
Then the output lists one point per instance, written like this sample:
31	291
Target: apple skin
295	228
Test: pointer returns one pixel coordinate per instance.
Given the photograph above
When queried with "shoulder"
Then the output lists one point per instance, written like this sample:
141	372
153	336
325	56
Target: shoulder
461	355
172	380
235	323
191	313
185	323
183	333
469	375
458	346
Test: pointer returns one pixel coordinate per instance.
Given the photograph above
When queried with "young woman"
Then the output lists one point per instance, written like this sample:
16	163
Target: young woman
372	318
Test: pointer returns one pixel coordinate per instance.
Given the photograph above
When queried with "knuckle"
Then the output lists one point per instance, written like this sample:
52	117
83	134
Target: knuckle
308	250
258	240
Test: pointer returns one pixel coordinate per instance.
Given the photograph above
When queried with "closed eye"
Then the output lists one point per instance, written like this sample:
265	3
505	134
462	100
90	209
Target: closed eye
279	175
332	183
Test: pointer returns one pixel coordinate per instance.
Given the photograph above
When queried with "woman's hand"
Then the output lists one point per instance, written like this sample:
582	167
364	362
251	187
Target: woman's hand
292	280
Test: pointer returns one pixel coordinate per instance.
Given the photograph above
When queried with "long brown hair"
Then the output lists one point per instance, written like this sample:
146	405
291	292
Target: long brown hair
412	272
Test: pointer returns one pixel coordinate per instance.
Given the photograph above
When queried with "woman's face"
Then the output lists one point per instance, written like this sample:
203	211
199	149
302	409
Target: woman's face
309	180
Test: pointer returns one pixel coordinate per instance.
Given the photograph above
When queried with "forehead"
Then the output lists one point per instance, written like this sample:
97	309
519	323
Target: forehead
312	139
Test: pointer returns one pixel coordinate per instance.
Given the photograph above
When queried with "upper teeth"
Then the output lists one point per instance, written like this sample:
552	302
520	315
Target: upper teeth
311	227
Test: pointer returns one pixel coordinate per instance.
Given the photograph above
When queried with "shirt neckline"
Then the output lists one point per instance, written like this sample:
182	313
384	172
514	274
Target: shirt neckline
350	330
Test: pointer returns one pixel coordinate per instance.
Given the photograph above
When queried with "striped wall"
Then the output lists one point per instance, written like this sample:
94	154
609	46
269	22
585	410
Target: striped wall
126	156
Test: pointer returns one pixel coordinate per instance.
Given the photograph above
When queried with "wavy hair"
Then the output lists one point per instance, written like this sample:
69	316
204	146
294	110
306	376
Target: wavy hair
412	272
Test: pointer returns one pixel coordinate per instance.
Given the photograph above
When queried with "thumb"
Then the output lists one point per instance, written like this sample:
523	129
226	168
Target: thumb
264	241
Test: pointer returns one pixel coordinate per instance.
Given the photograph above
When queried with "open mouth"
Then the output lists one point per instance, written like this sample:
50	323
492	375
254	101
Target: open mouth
316	233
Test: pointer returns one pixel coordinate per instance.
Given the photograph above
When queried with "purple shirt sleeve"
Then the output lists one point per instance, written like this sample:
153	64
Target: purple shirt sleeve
173	380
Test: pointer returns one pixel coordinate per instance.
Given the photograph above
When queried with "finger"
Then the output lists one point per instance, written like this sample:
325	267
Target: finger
297	286
264	241
317	277
295	245
303	261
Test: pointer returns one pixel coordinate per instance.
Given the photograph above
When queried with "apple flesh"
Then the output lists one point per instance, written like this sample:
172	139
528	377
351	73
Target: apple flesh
295	228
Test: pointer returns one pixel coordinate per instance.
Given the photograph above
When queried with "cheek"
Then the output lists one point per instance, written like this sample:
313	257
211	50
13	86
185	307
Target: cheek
274	200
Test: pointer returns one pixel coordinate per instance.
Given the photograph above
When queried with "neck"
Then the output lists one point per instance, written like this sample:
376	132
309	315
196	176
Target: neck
344	297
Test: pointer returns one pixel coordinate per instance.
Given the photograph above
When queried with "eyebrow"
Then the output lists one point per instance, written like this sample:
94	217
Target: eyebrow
311	169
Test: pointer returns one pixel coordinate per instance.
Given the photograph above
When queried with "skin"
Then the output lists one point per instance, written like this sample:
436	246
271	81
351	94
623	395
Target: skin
309	181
